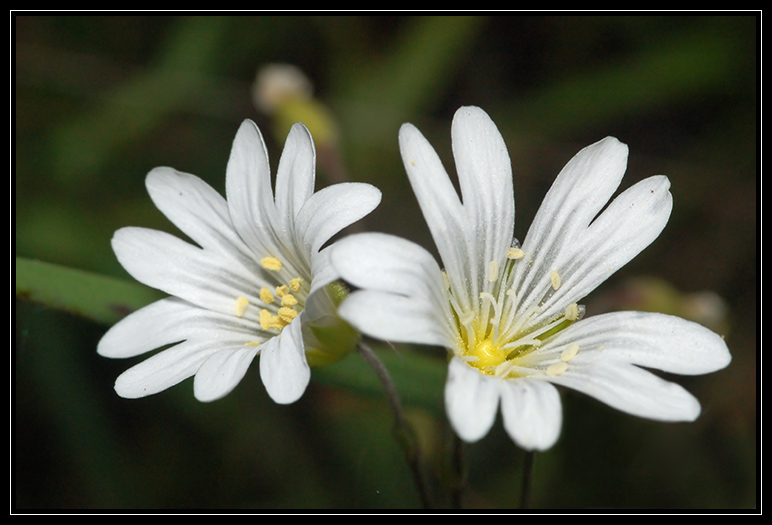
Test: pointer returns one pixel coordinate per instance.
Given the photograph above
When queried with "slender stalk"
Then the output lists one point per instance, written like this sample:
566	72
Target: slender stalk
458	472
525	488
403	430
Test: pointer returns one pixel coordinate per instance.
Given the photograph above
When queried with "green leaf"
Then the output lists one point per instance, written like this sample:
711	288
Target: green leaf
418	378
97	297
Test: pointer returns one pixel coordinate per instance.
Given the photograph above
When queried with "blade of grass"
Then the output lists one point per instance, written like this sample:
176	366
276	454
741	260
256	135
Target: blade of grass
97	297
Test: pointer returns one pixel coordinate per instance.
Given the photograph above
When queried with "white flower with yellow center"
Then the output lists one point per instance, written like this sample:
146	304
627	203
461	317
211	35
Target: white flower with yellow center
510	314
258	283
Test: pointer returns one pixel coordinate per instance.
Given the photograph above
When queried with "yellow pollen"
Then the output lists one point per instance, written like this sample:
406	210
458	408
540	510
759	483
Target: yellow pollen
572	312
295	284
252	343
515	253
265	319
287	314
241	305
289	300
555	369
265	295
282	290
555	280
569	352
493	271
271	263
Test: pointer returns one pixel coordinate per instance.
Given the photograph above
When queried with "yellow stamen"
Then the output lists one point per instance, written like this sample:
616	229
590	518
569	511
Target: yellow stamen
555	280
282	290
252	343
241	305
271	263
572	312
493	271
569	352
555	369
287	314
515	253
278	323
265	319
295	284
289	300
265	295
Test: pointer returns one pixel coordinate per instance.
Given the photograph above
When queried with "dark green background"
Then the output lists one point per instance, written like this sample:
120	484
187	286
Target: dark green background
99	101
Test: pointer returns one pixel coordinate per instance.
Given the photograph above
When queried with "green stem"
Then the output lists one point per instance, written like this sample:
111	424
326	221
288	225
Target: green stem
403	430
458	471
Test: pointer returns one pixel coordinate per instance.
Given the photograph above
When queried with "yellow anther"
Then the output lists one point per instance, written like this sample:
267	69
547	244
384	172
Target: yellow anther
555	369
515	253
241	305
289	300
265	319
271	263
278	323
295	284
569	352
555	280
252	343
572	312
493	271
282	290
265	295
287	314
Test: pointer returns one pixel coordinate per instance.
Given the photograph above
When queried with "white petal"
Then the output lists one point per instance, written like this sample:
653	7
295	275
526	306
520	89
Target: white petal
378	261
157	324
485	177
579	192
164	369
630	389
249	192
168	321
163	261
333	208
532	412
630	223
295	176
221	372
194	207
395	318
652	340
447	220
471	400
283	365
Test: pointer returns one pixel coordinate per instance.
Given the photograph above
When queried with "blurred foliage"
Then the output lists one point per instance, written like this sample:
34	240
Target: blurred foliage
100	100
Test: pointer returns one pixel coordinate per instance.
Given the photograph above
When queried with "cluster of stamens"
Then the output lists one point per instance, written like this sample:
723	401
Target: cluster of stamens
280	304
496	338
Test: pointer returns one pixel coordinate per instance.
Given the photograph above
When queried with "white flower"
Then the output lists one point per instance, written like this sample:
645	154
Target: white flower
258	283
509	315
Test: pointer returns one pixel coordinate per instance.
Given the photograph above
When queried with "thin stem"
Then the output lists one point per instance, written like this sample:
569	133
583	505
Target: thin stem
403	430
458	471
525	489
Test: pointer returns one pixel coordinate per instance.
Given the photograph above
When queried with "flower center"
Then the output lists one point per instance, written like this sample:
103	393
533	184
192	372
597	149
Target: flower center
499	333
278	305
488	355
